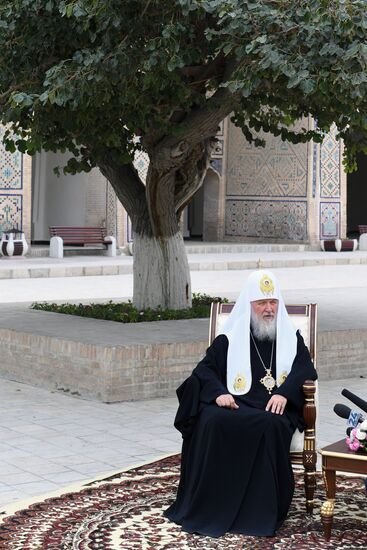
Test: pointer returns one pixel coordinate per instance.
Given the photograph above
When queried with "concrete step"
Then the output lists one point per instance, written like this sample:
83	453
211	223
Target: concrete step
192	247
80	266
43	251
197	247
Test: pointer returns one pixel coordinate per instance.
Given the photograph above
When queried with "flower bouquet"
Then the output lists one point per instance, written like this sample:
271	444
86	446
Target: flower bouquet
357	438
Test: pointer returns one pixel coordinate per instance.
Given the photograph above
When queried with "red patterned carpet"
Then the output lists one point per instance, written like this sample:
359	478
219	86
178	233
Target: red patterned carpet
124	512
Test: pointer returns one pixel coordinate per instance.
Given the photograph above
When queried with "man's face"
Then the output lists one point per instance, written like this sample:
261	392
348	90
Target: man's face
265	310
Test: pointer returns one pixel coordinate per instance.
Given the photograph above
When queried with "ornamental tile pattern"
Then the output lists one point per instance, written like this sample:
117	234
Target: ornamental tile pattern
11	210
11	176
111	210
330	159
329	220
314	169
277	170
141	163
267	219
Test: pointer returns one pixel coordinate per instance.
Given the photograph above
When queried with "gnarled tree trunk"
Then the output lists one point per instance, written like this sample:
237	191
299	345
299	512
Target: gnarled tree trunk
161	270
176	171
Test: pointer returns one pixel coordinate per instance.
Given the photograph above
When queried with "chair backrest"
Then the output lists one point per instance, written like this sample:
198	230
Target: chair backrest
304	318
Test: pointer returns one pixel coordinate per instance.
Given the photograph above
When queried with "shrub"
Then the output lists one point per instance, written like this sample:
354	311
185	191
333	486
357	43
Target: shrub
125	312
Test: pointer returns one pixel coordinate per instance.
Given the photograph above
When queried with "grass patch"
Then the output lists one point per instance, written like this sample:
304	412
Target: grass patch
125	312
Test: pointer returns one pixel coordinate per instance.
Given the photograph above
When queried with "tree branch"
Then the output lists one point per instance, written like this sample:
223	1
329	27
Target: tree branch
190	176
126	182
206	71
199	125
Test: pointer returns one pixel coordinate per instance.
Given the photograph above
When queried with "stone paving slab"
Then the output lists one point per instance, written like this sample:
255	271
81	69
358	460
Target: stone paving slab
48	440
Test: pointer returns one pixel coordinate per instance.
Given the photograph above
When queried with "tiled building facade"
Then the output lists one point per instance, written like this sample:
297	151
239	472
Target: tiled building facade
15	190
282	193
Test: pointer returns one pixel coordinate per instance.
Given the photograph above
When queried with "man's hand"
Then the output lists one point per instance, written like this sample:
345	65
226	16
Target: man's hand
226	400
276	404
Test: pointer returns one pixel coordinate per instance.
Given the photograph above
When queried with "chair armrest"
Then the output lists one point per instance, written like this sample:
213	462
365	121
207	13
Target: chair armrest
309	408
309	444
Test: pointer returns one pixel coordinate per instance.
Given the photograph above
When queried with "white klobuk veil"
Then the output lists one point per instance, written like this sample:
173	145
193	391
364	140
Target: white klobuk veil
261	285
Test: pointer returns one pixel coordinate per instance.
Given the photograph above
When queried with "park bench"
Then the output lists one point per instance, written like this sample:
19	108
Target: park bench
79	236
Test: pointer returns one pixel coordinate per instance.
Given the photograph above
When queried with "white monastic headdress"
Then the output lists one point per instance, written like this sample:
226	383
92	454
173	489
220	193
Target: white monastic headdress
261	285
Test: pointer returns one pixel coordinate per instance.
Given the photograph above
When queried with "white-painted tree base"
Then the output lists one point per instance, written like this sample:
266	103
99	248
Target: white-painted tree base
161	273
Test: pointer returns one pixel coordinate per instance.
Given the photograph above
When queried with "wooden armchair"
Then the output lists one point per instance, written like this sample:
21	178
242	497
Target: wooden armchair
303	446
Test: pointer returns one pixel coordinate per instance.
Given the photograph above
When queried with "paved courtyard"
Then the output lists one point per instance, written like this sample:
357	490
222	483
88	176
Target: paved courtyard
49	441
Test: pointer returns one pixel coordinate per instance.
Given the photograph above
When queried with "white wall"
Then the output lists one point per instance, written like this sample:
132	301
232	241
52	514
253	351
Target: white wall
64	200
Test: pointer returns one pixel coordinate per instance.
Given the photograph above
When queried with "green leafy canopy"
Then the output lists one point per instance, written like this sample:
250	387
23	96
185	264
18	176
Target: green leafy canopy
90	76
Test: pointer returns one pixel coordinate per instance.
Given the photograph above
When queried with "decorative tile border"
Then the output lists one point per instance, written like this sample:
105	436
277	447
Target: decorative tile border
330	159
314	169
11	212
11	167
141	163
111	210
285	220
329	220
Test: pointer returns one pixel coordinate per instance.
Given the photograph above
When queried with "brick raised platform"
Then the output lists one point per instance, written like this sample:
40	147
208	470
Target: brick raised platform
130	362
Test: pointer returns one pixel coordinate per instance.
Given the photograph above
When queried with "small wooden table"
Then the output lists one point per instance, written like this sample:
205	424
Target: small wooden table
337	457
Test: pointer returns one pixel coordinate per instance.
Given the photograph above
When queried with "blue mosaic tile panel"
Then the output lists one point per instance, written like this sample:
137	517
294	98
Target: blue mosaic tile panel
329	220
267	219
11	174
330	159
11	209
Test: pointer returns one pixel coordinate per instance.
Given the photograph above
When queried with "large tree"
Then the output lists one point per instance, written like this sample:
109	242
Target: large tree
104	78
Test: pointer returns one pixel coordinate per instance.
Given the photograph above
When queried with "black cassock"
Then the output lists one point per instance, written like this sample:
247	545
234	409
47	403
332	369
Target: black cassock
236	474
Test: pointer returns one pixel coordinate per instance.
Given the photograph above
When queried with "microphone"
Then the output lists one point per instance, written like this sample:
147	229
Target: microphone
345	412
353	417
355	399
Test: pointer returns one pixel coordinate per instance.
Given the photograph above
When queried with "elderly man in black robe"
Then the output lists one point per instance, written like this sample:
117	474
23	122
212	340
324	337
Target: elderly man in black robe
237	414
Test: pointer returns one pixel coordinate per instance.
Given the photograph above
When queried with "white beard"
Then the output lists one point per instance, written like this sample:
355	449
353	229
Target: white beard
263	330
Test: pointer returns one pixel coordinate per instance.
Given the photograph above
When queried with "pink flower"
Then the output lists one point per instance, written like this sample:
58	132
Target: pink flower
355	445
352	442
